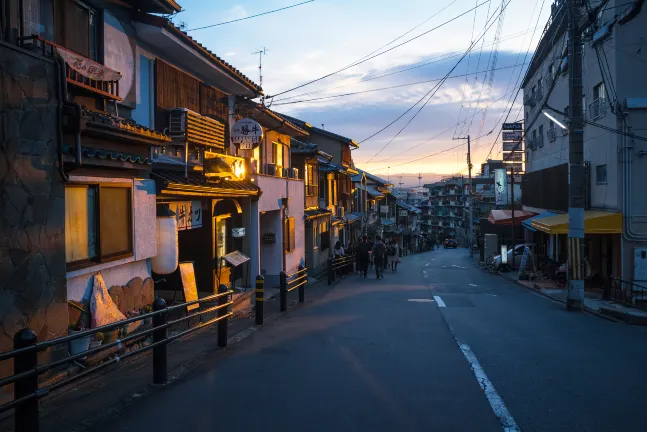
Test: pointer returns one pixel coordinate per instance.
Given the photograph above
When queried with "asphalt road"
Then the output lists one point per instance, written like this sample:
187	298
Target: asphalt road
439	346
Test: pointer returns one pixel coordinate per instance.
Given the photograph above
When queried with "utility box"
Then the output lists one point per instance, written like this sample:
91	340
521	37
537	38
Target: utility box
640	265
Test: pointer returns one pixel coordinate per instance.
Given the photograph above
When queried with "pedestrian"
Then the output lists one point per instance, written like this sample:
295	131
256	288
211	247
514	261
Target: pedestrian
379	252
370	248
338	252
349	252
393	255
363	255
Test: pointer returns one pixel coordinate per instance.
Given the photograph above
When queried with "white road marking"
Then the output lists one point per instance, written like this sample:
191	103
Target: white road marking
427	265
444	266
421	300
424	274
440	301
473	285
496	403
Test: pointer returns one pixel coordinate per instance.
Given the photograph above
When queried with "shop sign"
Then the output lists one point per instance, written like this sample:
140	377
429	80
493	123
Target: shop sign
517	167
188	214
512	146
246	134
512	136
87	67
269	238
512	126
384	209
513	157
500	187
238	232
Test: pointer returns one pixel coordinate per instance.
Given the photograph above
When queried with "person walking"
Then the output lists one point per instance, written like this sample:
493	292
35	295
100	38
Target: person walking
370	248
362	255
338	252
394	255
379	252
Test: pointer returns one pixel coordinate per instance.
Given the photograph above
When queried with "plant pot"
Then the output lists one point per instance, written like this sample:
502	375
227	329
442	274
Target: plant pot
79	345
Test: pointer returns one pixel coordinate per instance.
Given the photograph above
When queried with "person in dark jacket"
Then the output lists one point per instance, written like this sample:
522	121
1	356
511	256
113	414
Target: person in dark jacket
379	256
362	255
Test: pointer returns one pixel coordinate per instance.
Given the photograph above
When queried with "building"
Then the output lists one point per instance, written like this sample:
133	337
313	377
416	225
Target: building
614	105
370	199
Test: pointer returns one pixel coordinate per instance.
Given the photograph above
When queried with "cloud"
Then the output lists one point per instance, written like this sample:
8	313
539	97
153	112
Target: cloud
230	54
236	12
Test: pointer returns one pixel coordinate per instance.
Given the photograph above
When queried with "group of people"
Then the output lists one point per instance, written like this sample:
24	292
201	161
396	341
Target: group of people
381	255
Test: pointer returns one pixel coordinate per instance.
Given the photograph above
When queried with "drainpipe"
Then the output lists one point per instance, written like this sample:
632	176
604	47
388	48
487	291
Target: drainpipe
628	232
62	97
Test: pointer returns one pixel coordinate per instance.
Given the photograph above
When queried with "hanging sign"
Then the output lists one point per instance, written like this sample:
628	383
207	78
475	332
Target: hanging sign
512	146
246	134
403	212
512	126
188	214
87	67
513	157
517	167
512	136
238	232
500	187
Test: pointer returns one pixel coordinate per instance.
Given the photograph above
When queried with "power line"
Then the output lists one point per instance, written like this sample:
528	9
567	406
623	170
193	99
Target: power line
426	63
381	53
252	16
391	87
503	7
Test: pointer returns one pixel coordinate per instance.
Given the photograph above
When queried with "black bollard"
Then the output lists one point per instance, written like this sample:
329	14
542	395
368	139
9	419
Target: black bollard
329	270
222	324
283	277
260	297
26	414
302	288
160	353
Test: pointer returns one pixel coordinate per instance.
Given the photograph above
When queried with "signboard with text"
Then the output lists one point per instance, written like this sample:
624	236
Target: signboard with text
512	126
513	157
514	166
188	214
513	146
512	136
246	134
500	187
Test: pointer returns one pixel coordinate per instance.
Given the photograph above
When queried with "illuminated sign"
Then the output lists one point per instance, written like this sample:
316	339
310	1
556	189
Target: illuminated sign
246	134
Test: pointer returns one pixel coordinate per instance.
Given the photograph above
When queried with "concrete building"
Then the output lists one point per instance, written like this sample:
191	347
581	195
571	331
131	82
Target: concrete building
614	143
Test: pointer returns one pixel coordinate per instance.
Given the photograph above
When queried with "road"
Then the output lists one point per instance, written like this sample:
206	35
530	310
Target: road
440	345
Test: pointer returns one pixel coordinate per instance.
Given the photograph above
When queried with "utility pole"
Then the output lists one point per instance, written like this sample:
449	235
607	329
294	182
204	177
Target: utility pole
513	264
470	195
576	186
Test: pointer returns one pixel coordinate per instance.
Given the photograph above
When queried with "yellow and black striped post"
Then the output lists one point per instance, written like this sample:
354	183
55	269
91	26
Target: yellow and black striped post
260	297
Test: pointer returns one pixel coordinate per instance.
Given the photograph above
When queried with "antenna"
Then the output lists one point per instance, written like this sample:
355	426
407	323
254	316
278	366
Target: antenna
419	179
260	52
400	182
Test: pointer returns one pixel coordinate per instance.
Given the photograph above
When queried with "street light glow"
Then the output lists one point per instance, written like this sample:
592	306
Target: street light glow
555	120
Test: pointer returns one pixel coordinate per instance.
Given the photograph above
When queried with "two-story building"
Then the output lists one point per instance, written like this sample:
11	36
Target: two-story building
615	225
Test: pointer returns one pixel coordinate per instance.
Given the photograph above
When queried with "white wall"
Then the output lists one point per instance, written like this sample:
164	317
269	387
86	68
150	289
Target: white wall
120	272
295	210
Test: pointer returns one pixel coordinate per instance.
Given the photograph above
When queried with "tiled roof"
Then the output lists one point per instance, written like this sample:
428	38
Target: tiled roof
196	180
308	126
312	213
207	53
375	178
124	125
267	115
104	154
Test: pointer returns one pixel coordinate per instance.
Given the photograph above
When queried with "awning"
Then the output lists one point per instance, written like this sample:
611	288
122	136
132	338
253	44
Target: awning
386	221
313	213
595	222
527	223
504	217
174	183
350	218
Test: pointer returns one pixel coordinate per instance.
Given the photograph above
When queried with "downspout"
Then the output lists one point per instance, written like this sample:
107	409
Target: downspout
627	232
62	96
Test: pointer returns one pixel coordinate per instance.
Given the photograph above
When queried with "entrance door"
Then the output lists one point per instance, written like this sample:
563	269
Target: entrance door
221	228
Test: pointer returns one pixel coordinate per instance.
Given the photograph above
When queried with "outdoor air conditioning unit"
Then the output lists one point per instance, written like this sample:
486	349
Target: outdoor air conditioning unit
340	212
285	172
186	125
294	173
270	169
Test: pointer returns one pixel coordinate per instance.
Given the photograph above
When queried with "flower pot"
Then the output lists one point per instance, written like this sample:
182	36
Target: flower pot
79	345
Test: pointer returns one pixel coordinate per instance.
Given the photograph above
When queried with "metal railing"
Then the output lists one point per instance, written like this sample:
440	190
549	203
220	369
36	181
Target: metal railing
27	371
335	264
626	292
290	282
551	134
597	109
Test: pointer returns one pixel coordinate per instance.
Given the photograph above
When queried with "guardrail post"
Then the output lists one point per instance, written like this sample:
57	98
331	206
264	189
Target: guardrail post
160	353
222	324
26	414
302	288
284	291
260	298
330	271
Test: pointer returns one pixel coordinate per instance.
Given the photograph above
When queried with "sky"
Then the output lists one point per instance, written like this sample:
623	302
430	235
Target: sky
314	39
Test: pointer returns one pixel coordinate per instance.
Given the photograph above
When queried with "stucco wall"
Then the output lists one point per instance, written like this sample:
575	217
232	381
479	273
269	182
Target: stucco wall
295	210
32	203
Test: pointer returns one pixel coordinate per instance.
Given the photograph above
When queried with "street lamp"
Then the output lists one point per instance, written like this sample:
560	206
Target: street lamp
557	122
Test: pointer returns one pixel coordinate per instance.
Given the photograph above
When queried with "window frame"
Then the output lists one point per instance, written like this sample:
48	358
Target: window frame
311	179
100	258
597	180
289	234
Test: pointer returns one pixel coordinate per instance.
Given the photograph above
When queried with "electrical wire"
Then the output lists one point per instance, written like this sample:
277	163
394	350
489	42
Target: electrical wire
391	87
380	53
251	16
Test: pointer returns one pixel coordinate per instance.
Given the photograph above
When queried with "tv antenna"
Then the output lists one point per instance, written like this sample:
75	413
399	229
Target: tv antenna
419	179
260	52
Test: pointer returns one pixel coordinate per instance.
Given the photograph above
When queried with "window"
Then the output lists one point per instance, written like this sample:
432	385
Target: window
598	91
37	18
601	174
98	223
310	180
540	142
288	235
277	154
76	28
322	189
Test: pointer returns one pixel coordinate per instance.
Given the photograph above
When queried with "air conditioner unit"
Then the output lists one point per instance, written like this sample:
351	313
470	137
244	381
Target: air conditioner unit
186	125
285	172
270	169
340	212
294	173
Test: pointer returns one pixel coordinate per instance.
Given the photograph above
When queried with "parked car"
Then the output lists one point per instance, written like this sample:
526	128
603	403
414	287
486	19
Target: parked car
518	254
450	243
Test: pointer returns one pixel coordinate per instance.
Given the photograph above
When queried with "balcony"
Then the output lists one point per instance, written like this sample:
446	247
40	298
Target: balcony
278	171
597	109
551	134
530	99
80	71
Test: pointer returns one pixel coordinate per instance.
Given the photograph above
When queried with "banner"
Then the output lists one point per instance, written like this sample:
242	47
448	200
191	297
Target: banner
87	67
500	187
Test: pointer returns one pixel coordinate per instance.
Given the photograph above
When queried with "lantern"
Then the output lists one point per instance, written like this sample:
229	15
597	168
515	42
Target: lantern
166	260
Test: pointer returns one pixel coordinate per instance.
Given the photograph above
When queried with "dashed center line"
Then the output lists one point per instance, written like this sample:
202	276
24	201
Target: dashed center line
473	285
427	265
424	274
440	301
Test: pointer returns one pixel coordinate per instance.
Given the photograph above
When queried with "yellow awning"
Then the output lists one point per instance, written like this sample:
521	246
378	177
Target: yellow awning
595	222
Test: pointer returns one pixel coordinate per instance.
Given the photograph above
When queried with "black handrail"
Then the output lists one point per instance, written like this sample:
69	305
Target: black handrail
335	264
26	349
290	282
625	292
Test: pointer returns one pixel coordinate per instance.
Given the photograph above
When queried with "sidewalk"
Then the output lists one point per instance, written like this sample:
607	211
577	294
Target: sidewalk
83	404
593	301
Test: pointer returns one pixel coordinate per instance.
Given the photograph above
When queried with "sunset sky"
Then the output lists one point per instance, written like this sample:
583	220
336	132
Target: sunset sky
317	38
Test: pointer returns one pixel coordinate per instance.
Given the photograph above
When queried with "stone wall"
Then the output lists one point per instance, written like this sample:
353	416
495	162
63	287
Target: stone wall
32	202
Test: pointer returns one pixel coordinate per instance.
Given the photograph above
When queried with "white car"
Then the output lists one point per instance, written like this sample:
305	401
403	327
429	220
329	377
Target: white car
518	254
